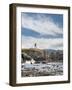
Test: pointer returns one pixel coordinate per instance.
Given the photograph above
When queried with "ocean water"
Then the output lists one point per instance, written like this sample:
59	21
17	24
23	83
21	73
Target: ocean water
40	69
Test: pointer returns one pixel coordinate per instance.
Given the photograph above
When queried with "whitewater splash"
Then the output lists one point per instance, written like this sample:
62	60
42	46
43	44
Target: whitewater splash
40	69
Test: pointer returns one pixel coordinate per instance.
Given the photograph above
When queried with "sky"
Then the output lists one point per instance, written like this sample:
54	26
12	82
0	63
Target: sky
44	29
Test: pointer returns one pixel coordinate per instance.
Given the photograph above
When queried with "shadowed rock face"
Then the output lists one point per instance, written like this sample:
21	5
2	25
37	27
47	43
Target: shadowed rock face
40	55
36	54
33	58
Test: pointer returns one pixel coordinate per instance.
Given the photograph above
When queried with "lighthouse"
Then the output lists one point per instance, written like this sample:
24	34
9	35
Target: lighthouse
35	45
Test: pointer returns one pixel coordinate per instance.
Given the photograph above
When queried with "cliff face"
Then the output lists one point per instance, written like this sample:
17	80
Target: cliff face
40	55
36	54
33	52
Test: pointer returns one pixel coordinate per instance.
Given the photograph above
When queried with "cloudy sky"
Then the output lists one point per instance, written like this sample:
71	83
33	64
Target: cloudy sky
46	30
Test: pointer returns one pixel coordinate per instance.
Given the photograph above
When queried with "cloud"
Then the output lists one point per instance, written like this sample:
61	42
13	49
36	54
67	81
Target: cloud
28	42
41	24
31	33
41	29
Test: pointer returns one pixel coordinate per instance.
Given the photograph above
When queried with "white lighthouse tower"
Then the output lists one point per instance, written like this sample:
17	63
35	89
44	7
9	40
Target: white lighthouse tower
35	45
